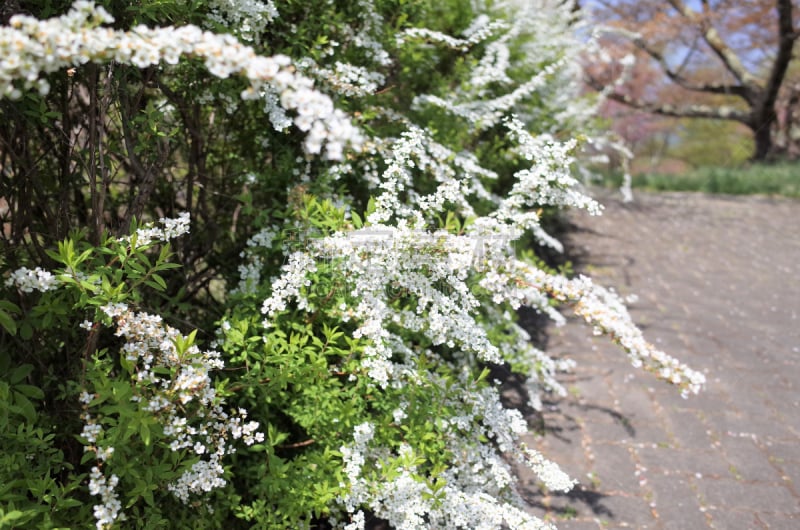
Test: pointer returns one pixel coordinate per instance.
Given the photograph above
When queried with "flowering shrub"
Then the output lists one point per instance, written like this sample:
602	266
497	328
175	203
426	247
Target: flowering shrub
259	258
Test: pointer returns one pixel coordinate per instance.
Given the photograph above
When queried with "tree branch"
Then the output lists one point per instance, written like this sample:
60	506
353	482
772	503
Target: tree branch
787	37
712	37
145	175
723	112
680	80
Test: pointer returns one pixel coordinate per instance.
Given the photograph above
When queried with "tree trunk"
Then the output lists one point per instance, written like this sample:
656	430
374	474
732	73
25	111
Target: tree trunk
763	138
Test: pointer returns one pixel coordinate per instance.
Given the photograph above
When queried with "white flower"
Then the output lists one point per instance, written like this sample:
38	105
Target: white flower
91	432
203	476
549	473
110	510
48	45
168	394
29	280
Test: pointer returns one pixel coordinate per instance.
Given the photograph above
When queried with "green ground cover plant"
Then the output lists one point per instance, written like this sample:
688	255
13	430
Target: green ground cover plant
780	178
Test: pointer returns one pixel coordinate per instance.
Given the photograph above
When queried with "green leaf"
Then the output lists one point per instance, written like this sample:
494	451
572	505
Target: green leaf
8	518
54	255
165	266
19	373
26	331
8	323
8	306
357	222
153	284
24	407
121	390
144	432
160	281
483	375
31	391
84	256
137	267
89	286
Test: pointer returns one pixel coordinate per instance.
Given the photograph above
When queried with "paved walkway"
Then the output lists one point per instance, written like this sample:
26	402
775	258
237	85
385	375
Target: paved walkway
718	281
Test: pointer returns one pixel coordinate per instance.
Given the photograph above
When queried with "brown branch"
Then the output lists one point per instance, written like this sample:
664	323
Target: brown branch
683	82
104	174
296	445
729	59
145	176
93	147
241	386
787	37
665	109
190	116
64	150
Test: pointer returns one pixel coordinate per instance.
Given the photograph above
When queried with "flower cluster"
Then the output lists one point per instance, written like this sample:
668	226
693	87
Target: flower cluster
521	283
552	55
110	510
485	113
493	66
369	34
170	381
458	176
553	477
250	270
29	280
149	233
346	79
478	32
548	182
605	310
248	18
475	492
31	47
382	263
289	285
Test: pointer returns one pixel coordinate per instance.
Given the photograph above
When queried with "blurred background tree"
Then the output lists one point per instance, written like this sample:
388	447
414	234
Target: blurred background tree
721	60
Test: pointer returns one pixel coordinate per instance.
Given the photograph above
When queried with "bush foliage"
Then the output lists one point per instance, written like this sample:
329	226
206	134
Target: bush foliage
258	259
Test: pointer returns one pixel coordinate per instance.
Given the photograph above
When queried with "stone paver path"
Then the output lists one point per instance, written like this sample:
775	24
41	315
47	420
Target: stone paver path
718	286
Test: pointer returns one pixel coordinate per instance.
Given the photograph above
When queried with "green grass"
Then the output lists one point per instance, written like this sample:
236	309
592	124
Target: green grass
764	179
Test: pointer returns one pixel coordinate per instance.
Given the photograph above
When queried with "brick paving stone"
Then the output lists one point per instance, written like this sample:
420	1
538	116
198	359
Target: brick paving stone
784	522
765	427
736	520
723	493
628	512
676	503
748	462
648	432
616	471
784	452
702	462
638	403
688	428
789	473
592	387
608	428
580	504
717	282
